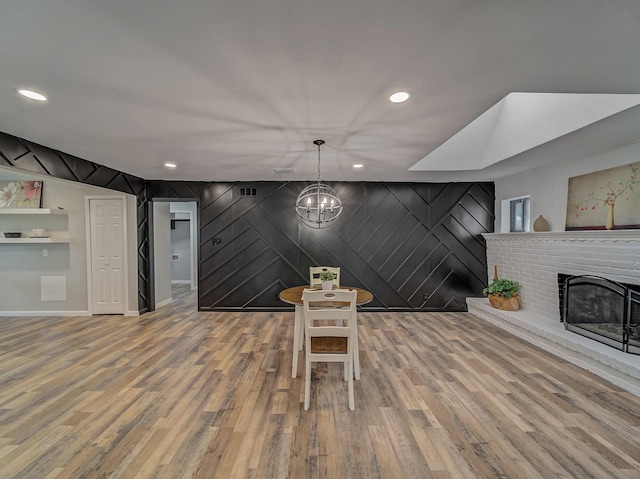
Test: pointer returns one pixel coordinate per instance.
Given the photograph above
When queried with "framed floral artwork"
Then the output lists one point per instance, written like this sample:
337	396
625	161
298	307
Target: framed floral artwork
21	194
605	200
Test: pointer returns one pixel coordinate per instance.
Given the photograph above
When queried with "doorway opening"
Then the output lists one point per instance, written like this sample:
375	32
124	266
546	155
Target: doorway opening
173	252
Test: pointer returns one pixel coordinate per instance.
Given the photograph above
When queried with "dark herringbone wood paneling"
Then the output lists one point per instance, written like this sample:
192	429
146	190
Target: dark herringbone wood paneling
415	246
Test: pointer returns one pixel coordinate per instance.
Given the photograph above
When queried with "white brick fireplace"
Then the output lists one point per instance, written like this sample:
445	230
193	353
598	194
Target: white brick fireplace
535	259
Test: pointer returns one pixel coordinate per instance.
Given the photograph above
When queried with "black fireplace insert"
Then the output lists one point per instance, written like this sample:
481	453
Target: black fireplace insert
601	309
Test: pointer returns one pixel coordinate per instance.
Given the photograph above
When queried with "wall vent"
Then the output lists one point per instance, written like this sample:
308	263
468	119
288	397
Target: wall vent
283	171
248	191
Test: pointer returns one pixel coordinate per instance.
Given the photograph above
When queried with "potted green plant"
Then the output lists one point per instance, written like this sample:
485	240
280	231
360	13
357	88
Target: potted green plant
503	293
326	277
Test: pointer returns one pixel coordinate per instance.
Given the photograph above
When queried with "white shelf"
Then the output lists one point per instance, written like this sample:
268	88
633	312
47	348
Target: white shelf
34	240
32	211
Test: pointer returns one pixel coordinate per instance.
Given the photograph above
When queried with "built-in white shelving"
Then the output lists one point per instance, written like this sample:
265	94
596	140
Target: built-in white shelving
32	240
32	211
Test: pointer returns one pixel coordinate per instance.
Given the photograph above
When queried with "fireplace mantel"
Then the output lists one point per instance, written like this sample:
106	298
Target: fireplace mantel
601	235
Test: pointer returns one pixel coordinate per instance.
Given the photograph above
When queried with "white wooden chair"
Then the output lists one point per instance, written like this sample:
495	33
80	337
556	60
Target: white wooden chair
314	275
298	330
334	339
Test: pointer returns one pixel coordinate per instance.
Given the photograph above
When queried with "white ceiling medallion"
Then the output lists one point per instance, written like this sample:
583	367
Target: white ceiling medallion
318	205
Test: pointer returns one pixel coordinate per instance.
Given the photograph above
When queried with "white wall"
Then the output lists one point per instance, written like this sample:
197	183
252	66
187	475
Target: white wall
548	185
22	265
190	207
162	252
181	252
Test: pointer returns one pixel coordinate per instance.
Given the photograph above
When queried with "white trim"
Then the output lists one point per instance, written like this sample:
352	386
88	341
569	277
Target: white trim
180	281
87	233
193	244
125	248
45	313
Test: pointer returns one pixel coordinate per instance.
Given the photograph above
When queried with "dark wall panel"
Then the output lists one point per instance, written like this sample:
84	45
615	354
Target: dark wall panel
415	246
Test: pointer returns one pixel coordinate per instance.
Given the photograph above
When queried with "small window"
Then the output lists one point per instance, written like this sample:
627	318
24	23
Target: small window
515	215
519	214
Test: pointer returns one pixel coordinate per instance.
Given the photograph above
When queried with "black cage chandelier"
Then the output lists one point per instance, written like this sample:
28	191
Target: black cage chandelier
318	205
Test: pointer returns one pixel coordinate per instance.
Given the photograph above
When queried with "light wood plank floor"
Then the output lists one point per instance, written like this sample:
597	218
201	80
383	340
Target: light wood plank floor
177	393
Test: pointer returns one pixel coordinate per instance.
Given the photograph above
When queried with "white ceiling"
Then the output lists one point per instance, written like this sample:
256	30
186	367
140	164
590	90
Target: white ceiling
231	89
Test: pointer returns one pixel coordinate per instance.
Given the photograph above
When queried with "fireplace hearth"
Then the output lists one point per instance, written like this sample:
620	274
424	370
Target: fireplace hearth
601	309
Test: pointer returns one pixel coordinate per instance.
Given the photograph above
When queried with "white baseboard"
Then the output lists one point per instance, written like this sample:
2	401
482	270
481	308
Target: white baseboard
45	313
58	313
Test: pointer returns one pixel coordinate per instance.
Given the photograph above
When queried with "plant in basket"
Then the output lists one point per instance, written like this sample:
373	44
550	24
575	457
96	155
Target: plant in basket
503	293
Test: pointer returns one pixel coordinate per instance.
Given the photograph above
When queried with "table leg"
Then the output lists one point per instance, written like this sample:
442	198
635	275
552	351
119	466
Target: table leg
297	326
356	350
301	334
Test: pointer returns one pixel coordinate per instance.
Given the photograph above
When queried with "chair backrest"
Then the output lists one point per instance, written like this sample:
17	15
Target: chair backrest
333	308
314	274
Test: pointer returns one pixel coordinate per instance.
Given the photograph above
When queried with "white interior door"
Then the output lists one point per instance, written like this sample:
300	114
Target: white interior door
107	247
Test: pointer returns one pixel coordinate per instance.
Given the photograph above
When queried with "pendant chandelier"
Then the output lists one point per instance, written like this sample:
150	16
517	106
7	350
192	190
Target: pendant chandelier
318	205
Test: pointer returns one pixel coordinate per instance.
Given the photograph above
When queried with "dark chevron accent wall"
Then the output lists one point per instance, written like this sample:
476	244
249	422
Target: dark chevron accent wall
416	246
28	156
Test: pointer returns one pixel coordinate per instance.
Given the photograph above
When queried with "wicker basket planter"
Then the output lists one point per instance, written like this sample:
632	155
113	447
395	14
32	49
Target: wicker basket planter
505	304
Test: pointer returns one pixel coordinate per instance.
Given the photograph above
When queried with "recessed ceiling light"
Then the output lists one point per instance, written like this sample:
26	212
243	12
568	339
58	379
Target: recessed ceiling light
399	96
34	95
358	165
170	165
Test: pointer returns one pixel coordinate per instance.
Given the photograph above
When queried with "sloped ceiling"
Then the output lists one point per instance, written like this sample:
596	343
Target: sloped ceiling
231	89
520	122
